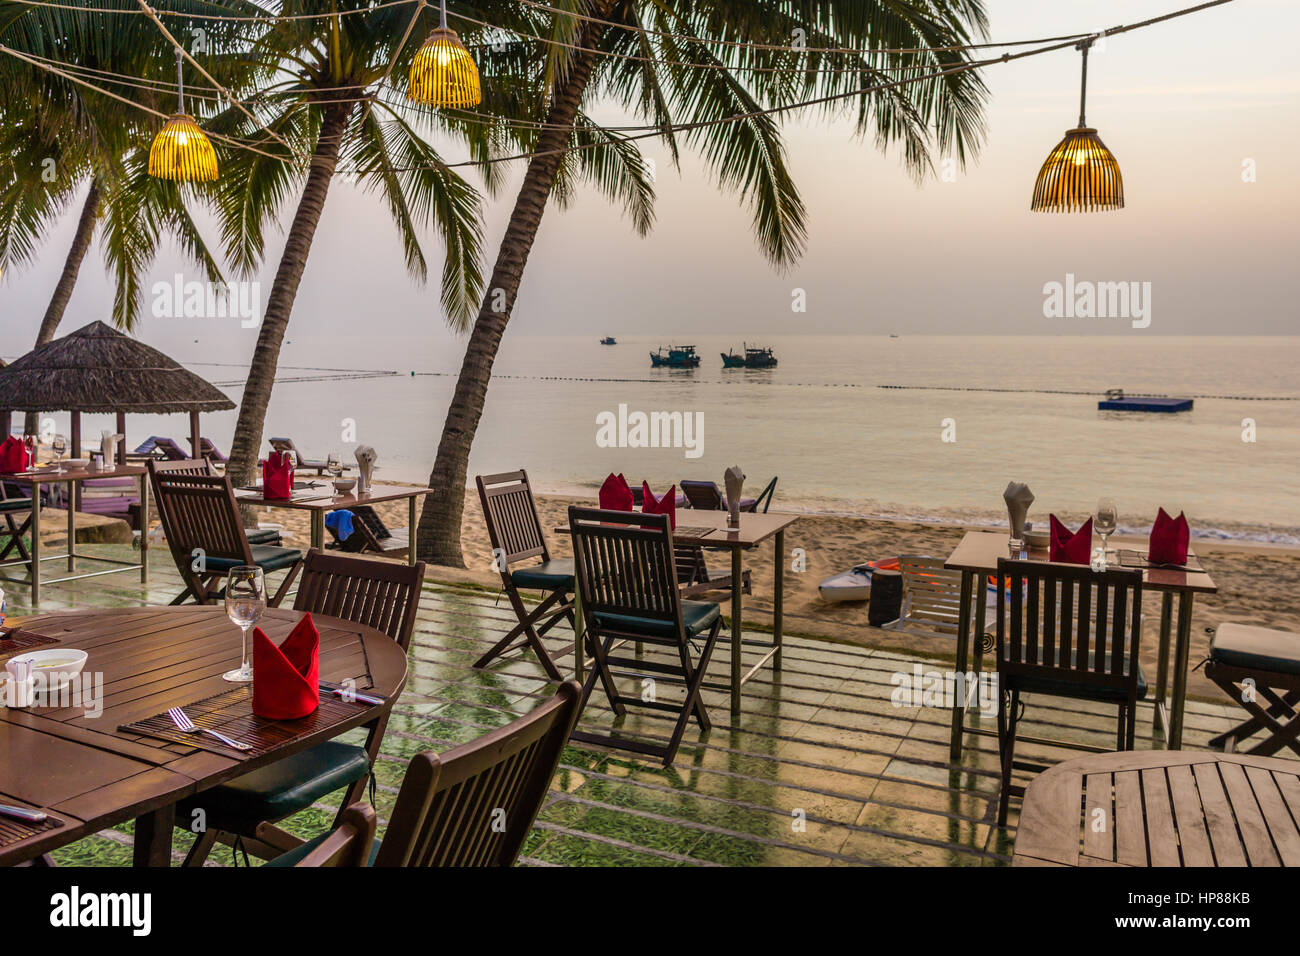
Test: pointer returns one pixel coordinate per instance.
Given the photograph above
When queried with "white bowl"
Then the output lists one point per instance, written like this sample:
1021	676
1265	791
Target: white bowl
343	485
56	666
1037	540
76	462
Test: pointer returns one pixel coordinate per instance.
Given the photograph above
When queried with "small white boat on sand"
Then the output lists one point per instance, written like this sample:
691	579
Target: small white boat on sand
853	584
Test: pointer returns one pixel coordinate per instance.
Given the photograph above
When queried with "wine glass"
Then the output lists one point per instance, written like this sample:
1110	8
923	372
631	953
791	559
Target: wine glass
245	605
1105	521
334	465
32	444
59	445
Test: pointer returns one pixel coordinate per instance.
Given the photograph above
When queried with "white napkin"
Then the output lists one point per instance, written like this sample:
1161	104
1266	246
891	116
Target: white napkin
1018	498
108	445
734	479
366	458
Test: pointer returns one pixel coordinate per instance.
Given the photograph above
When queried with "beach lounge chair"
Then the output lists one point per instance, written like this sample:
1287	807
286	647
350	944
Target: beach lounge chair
369	533
931	596
1064	630
1259	668
301	463
159	446
625	575
200	516
473	805
379	594
707	496
515	534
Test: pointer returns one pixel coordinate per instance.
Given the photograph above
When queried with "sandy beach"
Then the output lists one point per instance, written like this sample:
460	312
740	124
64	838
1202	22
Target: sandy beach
1257	583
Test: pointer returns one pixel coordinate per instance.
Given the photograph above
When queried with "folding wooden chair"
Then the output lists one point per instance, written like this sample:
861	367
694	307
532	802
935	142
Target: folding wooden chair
1065	630
1251	663
200	517
515	532
11	507
931	596
471	806
369	533
628	583
384	595
204	466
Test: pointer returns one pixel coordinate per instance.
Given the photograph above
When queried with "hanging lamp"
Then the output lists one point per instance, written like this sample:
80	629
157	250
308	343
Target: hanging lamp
1080	174
181	150
443	73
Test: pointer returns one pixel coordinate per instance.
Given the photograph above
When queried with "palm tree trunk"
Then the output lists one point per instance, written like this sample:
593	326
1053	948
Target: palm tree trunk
438	537
67	280
275	319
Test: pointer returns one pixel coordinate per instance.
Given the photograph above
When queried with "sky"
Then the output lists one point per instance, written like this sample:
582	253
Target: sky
1184	106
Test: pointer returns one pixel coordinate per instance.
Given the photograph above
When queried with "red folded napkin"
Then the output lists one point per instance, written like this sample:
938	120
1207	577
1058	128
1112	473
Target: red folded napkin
1169	539
14	456
615	495
1070	547
286	679
667	505
277	475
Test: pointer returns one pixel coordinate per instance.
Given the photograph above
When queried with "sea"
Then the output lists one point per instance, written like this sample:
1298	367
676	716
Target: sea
926	428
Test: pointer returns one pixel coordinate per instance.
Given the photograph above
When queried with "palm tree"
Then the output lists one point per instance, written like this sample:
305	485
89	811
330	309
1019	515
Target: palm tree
700	64
61	136
319	103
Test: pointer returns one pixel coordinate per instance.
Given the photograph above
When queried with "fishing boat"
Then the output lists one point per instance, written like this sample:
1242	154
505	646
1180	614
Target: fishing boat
753	358
1117	401
677	356
609	340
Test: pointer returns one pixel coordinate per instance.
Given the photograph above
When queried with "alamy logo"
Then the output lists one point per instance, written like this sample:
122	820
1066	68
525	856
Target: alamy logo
1098	300
626	429
74	908
179	299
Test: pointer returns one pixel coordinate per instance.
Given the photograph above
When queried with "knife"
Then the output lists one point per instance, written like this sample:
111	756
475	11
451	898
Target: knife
19	813
353	694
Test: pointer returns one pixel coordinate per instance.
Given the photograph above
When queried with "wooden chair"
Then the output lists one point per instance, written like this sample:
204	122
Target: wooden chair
369	533
10	508
348	845
1067	631
515	533
200	517
628	583
379	594
1251	663
471	806
204	466
300	462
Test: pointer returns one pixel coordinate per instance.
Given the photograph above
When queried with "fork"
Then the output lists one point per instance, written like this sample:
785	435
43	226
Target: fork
185	725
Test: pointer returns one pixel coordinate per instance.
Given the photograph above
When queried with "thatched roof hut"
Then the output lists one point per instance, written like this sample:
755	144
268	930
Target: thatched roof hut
98	369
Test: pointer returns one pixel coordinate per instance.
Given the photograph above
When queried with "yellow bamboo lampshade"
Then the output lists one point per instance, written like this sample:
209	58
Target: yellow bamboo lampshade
1079	175
182	151
443	73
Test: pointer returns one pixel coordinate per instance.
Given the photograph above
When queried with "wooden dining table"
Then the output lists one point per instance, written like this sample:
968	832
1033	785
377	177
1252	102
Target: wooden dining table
976	557
38	478
322	499
1162	808
75	760
709	529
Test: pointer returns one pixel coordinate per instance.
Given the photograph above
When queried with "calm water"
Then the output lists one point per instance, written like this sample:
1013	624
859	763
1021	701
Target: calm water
840	442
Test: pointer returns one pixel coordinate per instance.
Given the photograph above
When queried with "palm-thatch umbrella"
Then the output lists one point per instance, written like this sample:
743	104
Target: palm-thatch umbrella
98	369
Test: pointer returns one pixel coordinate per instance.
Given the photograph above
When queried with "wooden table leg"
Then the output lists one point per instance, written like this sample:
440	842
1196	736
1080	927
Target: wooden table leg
153	837
36	545
318	529
1182	653
963	645
410	530
144	529
778	594
1162	662
737	634
72	526
980	597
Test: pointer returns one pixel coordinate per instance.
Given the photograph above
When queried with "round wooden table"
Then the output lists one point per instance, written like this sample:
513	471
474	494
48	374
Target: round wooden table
73	759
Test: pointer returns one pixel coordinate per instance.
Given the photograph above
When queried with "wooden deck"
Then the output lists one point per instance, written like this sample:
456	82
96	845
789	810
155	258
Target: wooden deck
821	768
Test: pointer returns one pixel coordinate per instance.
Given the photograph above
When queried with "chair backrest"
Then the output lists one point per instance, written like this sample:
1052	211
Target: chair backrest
931	592
764	499
475	804
1068	622
183	466
198	510
514	527
171	451
703	495
624	564
384	595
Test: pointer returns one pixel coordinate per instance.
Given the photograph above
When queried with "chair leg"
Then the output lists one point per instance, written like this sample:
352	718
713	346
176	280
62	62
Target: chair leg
532	637
1008	705
285	584
1130	736
203	845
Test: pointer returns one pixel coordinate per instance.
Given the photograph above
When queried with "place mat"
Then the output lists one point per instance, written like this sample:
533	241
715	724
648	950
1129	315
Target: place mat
14	831
11	642
297	486
231	712
688	532
1136	559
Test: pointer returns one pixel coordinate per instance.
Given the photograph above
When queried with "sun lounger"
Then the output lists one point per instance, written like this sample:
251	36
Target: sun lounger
301	463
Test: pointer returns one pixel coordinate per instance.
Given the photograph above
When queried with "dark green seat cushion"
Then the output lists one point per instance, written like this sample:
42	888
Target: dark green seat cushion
1251	647
297	853
1068	688
697	616
547	576
279	789
265	556
15	504
264	536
